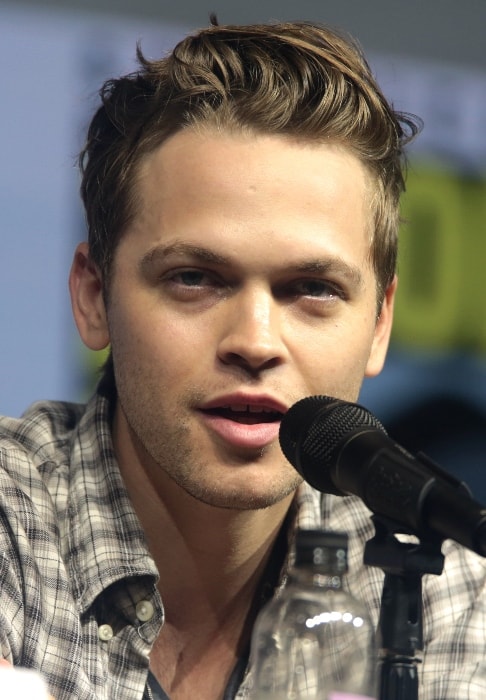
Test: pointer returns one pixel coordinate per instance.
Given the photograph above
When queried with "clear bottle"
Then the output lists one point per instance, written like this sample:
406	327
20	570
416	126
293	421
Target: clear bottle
314	641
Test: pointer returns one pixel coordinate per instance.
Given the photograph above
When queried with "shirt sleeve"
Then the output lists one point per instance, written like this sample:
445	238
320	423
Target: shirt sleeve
38	623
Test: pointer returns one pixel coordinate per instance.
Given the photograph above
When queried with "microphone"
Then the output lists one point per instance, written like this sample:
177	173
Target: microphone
341	448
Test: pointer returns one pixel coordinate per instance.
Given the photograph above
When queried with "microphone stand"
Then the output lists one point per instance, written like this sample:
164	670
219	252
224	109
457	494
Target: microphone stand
400	626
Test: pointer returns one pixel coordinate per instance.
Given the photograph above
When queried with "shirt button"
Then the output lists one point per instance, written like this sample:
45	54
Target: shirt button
105	633
144	610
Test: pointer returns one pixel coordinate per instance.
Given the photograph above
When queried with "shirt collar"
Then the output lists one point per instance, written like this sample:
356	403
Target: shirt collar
105	539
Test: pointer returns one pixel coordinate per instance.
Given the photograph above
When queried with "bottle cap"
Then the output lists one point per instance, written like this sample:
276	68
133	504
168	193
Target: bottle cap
324	550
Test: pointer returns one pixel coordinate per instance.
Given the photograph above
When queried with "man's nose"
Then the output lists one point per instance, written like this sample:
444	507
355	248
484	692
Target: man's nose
253	333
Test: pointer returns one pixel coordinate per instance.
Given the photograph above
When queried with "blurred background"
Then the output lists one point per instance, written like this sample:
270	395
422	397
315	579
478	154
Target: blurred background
430	59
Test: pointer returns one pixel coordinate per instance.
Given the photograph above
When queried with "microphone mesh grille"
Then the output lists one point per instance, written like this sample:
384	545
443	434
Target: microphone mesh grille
313	430
333	423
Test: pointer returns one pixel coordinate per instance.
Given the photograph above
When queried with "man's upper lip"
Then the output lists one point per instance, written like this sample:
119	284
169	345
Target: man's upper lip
247	402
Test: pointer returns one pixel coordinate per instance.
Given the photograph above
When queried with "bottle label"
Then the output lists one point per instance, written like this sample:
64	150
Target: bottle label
348	696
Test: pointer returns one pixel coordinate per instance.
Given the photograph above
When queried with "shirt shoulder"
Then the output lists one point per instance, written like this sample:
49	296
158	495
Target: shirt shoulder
42	434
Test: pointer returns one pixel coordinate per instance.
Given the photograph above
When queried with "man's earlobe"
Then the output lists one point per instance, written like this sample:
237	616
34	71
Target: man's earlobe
86	289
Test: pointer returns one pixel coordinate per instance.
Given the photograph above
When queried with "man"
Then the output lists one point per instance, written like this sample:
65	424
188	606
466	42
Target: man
242	205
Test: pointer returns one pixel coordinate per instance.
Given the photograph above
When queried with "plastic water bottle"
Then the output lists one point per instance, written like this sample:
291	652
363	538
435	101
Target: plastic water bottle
314	641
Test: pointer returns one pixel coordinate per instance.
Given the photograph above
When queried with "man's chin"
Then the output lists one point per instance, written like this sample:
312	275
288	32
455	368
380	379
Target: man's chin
246	501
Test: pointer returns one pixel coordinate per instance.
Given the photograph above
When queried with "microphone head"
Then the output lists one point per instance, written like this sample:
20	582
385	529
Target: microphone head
312	433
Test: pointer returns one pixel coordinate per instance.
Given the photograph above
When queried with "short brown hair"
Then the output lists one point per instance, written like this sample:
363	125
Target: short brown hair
295	79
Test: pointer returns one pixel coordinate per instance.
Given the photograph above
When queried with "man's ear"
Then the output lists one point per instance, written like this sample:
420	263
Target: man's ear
86	289
383	329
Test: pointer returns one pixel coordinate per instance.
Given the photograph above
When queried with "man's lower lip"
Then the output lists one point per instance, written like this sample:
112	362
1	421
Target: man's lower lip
254	435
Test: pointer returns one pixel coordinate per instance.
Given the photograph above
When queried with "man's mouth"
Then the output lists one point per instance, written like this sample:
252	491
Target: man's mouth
242	422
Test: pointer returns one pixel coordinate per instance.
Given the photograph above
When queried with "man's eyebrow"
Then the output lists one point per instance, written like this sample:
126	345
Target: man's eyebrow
319	266
197	253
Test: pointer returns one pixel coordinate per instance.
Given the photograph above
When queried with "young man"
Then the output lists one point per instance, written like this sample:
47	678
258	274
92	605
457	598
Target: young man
242	205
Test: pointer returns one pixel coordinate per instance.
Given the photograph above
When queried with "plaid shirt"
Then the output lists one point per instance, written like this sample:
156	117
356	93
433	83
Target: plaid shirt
78	595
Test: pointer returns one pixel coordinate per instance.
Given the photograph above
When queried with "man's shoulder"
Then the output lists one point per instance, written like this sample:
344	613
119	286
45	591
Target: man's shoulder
42	433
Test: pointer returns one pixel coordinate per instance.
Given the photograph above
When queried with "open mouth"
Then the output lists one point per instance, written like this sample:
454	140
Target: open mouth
248	415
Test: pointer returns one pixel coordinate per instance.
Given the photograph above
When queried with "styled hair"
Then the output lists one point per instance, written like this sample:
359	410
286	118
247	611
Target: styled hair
301	80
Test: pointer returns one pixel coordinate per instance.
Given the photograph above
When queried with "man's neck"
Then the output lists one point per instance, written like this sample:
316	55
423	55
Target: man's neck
208	555
212	555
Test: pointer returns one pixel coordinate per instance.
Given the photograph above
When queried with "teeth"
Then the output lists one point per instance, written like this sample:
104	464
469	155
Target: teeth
240	408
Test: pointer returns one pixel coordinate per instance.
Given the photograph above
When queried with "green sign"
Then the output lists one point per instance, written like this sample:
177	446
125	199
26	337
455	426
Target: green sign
441	302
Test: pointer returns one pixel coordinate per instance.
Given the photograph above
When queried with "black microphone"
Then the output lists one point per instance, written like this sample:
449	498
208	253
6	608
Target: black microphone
341	448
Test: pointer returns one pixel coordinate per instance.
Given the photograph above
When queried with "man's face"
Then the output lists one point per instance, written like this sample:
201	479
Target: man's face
243	285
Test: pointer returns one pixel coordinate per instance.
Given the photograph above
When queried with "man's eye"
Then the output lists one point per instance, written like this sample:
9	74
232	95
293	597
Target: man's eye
191	278
191	284
317	288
